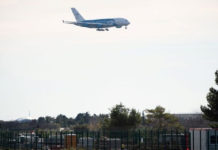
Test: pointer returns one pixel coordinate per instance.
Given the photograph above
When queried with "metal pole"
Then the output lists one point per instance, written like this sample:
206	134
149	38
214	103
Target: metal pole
145	140
127	140
177	142
41	139
31	140
87	140
93	140
115	141
171	139
36	140
158	134
208	140
104	138
200	139
26	141
61	139
51	140
193	138
71	139
139	140
164	137
82	139
46	139
215	139
151	140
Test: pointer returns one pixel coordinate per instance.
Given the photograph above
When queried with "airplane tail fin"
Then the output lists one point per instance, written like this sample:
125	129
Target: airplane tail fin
77	15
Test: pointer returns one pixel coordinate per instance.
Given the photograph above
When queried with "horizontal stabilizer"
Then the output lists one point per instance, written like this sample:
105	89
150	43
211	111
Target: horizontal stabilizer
68	22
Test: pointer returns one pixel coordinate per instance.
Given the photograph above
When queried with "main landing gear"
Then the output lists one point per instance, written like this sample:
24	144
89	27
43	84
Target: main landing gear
100	29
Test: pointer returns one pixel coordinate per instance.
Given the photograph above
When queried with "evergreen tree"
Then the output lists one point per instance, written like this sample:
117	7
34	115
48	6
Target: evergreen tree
210	112
121	117
158	119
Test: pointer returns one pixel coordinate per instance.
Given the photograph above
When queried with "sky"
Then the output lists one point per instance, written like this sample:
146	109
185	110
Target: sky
167	56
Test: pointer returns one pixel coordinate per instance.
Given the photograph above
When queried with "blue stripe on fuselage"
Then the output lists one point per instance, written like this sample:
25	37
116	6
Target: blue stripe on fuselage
105	23
98	20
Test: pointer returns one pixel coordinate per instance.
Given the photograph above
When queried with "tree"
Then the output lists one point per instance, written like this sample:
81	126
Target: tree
41	120
62	120
83	118
49	119
210	112
134	118
158	119
121	117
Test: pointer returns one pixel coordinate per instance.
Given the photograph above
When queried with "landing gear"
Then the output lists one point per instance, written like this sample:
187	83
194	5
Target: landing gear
100	29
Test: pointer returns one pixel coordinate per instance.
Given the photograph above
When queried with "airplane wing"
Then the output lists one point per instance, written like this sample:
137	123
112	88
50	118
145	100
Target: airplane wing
84	23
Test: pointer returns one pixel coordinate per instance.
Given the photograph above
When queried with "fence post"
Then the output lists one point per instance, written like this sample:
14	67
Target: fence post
127	140
51	140
61	139
200	139
87	140
46	139
145	140
171	139
26	140
93	140
14	140
31	140
193	139
104	138
151	139
215	138
98	139
115	141
36	139
177	142
158	134
208	140
139	140
82	138
42	137
165	142
71	138
0	138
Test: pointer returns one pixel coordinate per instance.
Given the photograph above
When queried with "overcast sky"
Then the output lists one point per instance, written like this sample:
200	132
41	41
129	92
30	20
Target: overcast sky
167	56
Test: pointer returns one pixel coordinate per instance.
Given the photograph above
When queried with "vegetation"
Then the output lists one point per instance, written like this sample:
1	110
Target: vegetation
210	112
121	117
158	119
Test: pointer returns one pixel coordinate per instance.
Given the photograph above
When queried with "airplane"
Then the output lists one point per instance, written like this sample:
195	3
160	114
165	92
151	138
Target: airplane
98	24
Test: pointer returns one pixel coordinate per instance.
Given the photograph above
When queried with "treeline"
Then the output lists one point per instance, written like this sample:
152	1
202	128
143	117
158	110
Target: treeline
82	120
120	117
